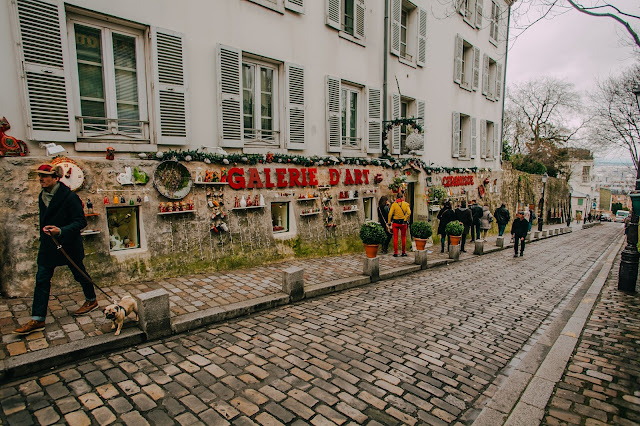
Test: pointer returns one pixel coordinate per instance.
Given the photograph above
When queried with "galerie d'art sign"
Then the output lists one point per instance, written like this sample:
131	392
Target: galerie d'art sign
457	180
291	177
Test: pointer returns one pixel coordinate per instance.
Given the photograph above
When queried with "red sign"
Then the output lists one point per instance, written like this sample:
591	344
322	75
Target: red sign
292	177
457	180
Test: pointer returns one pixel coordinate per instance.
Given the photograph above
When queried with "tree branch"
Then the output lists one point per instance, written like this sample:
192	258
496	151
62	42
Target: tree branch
624	23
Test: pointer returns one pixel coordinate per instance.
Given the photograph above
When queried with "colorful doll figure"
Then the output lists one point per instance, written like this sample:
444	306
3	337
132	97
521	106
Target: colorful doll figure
89	206
116	200
106	200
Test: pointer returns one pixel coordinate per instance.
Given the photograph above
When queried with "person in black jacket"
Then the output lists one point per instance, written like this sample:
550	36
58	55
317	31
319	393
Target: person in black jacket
463	214
383	214
61	216
503	217
519	229
476	212
445	216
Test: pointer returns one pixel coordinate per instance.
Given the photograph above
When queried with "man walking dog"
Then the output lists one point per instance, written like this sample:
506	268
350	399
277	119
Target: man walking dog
61	217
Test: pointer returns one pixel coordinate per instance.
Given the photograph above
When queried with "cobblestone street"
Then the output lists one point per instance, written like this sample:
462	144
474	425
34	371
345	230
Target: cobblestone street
424	348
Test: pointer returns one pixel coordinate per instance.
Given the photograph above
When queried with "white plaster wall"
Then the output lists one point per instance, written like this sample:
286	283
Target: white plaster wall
301	39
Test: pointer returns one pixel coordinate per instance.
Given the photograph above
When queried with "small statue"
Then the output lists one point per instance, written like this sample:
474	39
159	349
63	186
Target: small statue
256	201
116	200
249	203
139	199
89	206
162	208
236	203
111	153
122	201
106	200
131	201
190	204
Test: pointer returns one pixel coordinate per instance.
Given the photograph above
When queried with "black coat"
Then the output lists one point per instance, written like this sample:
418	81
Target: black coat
519	227
465	217
502	215
476	212
64	211
445	216
383	214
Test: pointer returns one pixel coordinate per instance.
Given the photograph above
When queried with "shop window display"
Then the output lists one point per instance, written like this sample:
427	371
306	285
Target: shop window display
368	208
124	227
280	217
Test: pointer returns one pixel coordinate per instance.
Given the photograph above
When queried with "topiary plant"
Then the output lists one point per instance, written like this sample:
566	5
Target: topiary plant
421	229
438	193
455	228
372	233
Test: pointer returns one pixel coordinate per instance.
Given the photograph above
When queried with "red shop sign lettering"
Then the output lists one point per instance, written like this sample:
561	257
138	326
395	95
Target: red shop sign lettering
457	180
291	177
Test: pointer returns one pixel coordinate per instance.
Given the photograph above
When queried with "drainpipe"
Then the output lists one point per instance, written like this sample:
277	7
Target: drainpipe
385	67
504	81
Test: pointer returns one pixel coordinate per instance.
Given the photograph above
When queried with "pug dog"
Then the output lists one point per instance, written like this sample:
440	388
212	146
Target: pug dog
118	312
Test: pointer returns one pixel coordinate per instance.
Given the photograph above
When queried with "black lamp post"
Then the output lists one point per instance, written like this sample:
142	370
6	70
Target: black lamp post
541	217
628	274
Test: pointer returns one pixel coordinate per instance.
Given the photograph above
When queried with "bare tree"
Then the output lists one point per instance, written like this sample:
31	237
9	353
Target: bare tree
526	13
616	121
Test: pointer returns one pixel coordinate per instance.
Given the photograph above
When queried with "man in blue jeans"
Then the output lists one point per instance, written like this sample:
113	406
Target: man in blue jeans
503	217
61	216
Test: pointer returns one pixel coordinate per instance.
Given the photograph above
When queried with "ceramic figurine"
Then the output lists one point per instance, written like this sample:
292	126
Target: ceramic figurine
146	198
139	199
249	202
89	206
256	201
243	202
210	203
355	194
236	203
116	200
223	227
122	201
162	208
106	200
261	200
131	201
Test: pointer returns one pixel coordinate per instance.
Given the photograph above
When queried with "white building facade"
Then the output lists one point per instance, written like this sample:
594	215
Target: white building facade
585	193
254	76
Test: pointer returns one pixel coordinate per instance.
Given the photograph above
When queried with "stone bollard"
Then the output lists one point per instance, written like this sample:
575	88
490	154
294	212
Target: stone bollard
153	313
544	234
479	248
528	237
421	259
372	268
293	283
500	242
454	252
536	234
562	230
556	231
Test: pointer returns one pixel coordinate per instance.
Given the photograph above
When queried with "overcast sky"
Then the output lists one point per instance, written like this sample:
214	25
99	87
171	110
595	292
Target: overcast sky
573	46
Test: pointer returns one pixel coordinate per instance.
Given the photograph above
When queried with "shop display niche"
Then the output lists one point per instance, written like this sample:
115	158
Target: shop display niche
280	217
124	227
368	208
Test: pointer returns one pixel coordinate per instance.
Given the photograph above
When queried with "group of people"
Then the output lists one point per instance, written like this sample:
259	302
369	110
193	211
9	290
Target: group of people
475	218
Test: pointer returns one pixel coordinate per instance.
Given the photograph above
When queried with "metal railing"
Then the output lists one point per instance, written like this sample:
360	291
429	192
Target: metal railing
112	128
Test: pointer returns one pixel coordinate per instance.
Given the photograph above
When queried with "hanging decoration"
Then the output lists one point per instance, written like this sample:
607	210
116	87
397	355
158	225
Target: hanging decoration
10	146
413	126
314	160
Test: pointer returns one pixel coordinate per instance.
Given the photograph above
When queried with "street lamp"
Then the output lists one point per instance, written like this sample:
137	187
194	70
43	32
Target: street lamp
545	177
628	274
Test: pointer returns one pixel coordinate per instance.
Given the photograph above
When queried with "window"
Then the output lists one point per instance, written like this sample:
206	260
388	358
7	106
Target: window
466	64
586	174
111	83
368	208
405	107
464	136
580	201
280	217
404	112
347	16
124	228
408	32
489	140
491	78
349	105
494	24
471	11
259	102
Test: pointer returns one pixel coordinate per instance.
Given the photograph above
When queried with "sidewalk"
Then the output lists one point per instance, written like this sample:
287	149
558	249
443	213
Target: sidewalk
188	295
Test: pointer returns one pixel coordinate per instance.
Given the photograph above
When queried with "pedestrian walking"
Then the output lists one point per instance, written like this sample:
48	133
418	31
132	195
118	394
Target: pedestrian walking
485	221
383	215
445	215
519	229
476	213
61	217
463	214
503	217
399	218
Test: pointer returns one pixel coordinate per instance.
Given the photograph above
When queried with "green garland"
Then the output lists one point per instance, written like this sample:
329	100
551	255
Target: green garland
300	160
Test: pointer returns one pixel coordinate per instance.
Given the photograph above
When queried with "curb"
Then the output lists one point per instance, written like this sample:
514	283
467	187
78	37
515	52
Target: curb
33	362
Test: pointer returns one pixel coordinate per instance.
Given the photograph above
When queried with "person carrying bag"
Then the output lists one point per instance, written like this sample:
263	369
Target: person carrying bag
399	217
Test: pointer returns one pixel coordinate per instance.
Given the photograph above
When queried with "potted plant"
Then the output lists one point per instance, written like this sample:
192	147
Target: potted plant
372	234
398	183
438	193
421	231
454	230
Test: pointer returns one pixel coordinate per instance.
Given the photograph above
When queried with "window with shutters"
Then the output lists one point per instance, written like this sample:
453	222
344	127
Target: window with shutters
467	65
111	98
586	174
494	23
466	70
488	141
351	116
471	12
408	32
347	16
260	103
277	5
491	77
465	136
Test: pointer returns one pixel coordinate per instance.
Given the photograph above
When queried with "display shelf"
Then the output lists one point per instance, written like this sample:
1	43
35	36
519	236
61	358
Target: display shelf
248	207
348	199
178	212
309	214
349	211
89	232
308	199
91	214
211	183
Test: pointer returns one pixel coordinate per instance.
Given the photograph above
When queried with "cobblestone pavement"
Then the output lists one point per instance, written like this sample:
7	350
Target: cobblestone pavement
422	348
601	384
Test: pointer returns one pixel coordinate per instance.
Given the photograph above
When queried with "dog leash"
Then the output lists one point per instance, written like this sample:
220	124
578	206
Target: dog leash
59	247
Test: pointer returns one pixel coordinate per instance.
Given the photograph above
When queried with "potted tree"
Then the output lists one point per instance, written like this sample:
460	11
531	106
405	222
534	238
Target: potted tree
454	230
398	183
372	235
421	231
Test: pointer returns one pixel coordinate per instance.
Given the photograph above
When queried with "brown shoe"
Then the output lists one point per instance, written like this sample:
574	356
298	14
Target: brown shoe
30	327
87	307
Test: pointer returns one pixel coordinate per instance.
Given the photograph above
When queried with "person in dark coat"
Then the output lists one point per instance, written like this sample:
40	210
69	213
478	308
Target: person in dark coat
476	212
463	214
445	216
503	217
61	216
519	229
383	214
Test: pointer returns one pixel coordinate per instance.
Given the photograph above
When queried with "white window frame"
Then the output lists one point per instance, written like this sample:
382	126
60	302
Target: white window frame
107	30
352	88
465	137
275	5
494	23
335	18
467	65
493	71
259	140
471	11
